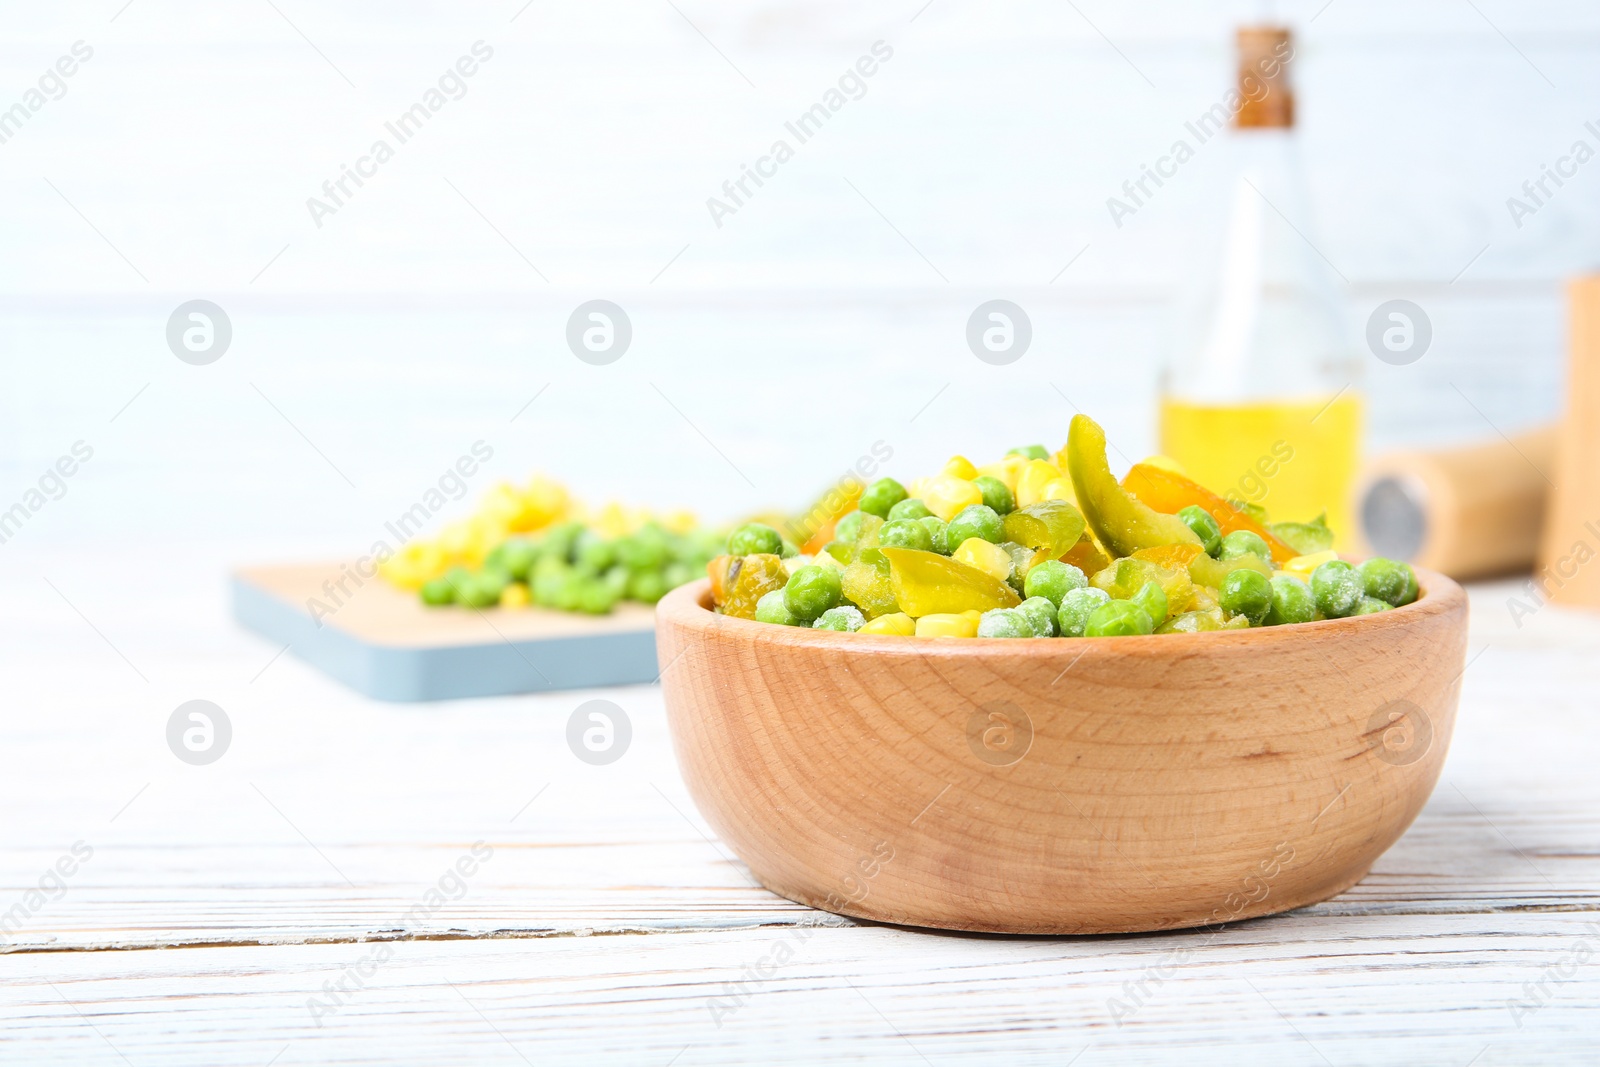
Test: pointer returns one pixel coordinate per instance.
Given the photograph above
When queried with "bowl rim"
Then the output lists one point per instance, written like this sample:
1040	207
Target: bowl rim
689	608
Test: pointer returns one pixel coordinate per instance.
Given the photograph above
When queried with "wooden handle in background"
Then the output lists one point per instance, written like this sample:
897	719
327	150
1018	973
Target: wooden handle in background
1466	512
1569	556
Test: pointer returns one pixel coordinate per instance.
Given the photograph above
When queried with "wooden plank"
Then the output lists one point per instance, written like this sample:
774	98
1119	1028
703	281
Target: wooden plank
1284	990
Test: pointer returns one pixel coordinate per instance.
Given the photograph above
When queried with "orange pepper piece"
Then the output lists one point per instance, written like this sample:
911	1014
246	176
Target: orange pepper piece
1170	492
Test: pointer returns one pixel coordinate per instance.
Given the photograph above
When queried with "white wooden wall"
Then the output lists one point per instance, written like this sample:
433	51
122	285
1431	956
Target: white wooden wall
791	338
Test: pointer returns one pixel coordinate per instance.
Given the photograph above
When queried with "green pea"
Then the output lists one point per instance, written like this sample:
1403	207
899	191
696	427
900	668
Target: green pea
1119	618
1336	587
1292	601
676	574
976	520
771	608
457	577
570	595
789	550
482	591
617	579
1031	451
1199	520
559	540
996	494
647	587
842	551
1076	607
848	528
905	533
1053	580
811	591
518	555
1153	599
754	537
882	495
438	592
1244	543
1371	605
1005	622
1041	613
596	598
1248	593
645	550
936	534
594	552
910	508
548	583
845	619
1388	580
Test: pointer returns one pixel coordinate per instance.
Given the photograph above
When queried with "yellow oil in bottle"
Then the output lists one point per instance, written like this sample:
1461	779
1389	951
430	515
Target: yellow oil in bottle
1296	458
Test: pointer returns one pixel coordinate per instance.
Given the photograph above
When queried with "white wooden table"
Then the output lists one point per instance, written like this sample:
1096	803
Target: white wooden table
293	902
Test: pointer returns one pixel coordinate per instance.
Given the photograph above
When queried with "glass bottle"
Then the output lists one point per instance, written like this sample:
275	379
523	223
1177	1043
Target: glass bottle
1260	399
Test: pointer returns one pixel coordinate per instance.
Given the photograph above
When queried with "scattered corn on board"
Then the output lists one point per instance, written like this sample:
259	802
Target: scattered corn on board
382	642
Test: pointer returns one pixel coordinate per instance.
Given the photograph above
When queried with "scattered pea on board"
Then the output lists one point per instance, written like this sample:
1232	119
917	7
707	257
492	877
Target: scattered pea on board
1037	545
573	567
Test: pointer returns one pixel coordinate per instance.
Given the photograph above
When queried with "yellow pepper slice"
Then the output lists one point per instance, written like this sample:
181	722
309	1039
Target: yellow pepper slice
867	586
926	583
1051	525
1120	521
1177	556
1207	571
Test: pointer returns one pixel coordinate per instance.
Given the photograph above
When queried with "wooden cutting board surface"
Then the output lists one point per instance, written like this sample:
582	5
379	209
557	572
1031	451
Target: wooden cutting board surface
386	643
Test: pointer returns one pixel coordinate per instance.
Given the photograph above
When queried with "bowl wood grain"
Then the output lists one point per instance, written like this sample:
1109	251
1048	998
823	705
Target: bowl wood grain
1082	786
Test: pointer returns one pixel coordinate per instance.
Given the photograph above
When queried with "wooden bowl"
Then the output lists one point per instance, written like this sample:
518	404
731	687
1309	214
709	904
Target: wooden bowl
1087	786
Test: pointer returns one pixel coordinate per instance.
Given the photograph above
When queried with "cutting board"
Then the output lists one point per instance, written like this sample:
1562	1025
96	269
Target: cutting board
385	643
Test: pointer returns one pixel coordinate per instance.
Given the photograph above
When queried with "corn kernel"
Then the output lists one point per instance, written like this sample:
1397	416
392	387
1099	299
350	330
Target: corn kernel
963	625
1302	566
991	559
960	467
1060	489
1033	479
946	494
897	624
515	595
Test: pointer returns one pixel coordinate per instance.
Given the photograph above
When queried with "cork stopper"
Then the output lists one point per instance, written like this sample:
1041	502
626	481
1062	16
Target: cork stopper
1266	95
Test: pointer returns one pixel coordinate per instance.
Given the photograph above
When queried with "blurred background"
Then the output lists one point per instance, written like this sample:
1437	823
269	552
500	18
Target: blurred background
374	345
